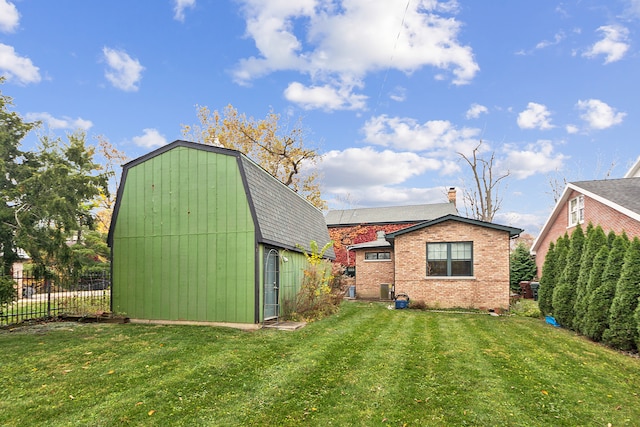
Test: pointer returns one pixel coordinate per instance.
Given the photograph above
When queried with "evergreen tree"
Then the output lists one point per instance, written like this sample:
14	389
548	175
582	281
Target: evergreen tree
562	249
623	331
565	292
547	281
595	240
597	306
13	167
522	266
602	297
610	238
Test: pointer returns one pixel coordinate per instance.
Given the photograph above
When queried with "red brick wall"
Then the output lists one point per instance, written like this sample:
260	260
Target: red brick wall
595	212
371	274
488	289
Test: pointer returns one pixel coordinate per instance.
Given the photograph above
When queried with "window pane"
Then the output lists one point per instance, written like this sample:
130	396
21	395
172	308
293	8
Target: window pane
461	268
370	255
437	268
437	251
461	251
384	255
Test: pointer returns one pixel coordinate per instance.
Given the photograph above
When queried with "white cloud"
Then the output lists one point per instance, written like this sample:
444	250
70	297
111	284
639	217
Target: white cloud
60	123
324	97
536	158
571	129
614	45
124	72
180	6
13	66
150	139
340	42
9	17
557	38
475	111
535	116
437	136
365	167
399	94
598	114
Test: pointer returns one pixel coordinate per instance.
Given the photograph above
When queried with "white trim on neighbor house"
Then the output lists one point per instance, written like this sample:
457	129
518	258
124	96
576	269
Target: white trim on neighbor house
564	199
634	172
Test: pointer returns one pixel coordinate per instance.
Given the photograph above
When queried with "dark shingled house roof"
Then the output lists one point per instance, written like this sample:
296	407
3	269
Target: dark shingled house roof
282	217
623	192
389	214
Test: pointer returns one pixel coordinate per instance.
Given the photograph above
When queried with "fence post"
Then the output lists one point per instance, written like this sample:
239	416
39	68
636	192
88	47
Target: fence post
47	284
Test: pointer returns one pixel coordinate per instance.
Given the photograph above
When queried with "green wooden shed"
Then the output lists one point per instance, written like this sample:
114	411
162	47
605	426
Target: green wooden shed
203	234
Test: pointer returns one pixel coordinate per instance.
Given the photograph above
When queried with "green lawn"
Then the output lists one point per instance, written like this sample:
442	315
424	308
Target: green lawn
365	366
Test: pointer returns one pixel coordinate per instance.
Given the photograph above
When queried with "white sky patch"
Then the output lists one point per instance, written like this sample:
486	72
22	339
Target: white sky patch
530	222
124	72
16	67
60	123
9	17
324	97
572	129
399	94
557	39
150	139
340	42
536	116
536	158
180	6
475	111
437	136
613	46
365	167
598	114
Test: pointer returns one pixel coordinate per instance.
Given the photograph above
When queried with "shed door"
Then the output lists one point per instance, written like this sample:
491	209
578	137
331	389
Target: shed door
271	285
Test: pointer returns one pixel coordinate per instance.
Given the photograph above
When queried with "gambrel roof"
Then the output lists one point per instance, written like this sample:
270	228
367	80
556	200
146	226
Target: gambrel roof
281	216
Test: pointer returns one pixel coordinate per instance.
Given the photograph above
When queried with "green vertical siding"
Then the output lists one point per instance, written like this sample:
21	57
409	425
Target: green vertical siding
291	275
183	242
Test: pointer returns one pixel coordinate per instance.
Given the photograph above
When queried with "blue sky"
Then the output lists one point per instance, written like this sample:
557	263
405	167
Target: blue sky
388	91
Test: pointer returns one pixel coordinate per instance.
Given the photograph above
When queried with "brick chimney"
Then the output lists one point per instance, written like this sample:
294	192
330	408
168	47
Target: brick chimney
452	195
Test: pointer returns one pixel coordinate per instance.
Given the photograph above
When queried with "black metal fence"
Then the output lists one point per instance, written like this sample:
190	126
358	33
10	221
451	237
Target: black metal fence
35	298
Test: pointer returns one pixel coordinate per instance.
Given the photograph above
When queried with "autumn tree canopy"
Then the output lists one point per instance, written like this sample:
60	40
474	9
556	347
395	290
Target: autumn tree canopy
280	151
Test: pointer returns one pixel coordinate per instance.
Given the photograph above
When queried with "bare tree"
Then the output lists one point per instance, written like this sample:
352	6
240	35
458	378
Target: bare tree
484	199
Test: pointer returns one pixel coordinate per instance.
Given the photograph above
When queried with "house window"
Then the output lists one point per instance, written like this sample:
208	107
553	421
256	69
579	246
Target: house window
576	211
450	259
377	256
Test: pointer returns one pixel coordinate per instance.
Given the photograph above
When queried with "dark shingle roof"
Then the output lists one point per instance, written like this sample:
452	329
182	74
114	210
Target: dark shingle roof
513	231
389	214
623	192
284	218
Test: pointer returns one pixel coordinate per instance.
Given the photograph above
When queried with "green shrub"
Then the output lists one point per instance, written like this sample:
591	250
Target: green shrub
623	330
547	281
597	317
564	294
526	308
8	292
595	240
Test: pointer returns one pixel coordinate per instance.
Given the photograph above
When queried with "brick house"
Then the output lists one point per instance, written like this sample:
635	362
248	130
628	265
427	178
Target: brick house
355	226
446	262
614	204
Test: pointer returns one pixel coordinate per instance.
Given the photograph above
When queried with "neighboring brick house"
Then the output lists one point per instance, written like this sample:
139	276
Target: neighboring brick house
614	204
447	262
354	226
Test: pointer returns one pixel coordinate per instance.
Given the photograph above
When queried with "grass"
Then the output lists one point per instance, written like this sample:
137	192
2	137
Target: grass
365	366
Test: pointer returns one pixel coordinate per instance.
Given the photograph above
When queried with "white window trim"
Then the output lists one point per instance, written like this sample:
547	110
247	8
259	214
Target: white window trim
578	211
